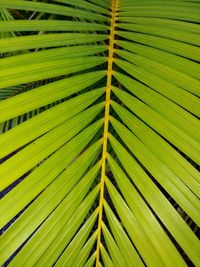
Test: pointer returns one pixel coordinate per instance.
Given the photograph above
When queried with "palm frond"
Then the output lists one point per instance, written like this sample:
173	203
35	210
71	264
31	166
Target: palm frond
103	169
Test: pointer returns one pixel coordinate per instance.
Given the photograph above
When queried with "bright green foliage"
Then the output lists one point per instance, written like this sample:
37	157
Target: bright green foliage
99	133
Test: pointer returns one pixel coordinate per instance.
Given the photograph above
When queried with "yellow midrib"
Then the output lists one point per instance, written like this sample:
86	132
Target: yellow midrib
106	124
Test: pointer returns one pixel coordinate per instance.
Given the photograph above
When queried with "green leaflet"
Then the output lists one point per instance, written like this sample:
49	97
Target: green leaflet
52	25
48	40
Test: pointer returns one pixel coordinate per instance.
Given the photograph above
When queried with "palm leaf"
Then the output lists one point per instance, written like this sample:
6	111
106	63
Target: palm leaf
103	168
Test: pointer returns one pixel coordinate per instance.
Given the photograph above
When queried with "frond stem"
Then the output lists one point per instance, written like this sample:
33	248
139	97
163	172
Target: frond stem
106	123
